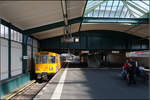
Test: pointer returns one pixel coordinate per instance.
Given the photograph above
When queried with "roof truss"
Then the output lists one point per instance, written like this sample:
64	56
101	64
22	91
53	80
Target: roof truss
116	8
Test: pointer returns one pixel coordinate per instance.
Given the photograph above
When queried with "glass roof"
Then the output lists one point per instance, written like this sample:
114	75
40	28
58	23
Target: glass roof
117	8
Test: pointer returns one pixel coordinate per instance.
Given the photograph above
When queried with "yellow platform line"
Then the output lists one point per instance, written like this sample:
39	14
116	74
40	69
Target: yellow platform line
18	91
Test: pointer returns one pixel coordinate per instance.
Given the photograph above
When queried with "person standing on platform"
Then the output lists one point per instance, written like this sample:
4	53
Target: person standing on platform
124	72
131	67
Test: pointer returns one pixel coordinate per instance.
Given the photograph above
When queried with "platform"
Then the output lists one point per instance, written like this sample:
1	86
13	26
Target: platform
76	83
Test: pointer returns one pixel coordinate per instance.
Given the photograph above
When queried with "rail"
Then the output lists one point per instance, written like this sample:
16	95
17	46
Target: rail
31	89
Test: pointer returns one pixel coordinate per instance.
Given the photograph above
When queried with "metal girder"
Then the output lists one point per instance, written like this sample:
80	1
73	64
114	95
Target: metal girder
51	26
82	15
133	12
116	20
105	8
139	6
111	8
65	16
135	7
130	11
146	15
113	40
145	3
126	13
67	27
64	11
117	8
95	6
99	11
121	11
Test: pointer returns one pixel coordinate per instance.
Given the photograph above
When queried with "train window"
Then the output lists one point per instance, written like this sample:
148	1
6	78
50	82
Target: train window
44	59
51	59
38	59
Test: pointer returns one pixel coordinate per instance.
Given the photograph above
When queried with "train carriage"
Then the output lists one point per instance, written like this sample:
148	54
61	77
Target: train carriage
47	63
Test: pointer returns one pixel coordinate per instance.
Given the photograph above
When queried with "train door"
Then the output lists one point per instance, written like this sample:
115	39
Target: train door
44	66
52	62
57	63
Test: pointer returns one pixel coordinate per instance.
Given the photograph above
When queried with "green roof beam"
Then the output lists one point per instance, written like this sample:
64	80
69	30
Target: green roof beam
126	13
99	10
135	7
105	8
145	3
95	6
117	8
116	20
130	11
140	6
51	26
146	15
121	11
111	8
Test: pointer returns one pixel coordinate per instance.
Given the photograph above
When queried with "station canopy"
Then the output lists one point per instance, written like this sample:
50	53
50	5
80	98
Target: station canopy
117	15
45	19
117	8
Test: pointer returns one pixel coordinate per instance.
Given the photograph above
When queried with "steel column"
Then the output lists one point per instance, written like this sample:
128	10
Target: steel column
9	51
32	75
24	51
0	60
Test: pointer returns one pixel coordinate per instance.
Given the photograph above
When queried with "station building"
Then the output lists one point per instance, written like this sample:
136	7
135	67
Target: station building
95	30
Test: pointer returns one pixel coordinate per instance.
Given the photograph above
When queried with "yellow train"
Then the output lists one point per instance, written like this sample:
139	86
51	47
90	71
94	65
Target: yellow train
46	63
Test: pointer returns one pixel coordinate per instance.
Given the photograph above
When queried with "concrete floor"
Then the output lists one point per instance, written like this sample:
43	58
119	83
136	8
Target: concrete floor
93	84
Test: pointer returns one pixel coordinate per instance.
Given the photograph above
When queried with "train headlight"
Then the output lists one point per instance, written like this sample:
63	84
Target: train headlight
37	68
50	68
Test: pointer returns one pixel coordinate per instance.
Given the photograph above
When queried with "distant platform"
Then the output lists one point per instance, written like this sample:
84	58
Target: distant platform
87	83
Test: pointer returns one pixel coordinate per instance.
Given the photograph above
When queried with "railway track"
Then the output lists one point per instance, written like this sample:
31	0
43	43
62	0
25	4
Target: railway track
32	90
